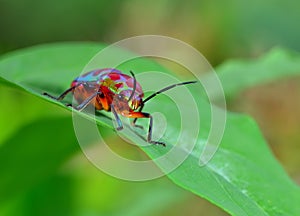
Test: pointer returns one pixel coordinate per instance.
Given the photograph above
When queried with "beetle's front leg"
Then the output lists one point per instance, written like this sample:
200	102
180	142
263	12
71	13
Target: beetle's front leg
133	123
137	115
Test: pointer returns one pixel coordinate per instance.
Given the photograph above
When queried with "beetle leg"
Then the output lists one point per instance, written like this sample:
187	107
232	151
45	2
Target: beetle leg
85	102
149	138
64	94
133	123
137	115
119	122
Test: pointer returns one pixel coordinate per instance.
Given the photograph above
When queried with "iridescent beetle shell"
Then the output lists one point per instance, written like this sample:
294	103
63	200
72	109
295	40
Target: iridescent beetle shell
111	82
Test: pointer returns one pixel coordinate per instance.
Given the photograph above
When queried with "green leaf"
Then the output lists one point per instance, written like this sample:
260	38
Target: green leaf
243	177
237	75
34	153
25	109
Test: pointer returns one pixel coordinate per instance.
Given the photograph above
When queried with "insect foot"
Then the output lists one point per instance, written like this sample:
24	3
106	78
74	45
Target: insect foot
157	143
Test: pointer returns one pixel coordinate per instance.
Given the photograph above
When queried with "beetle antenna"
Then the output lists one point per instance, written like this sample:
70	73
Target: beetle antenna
166	89
134	85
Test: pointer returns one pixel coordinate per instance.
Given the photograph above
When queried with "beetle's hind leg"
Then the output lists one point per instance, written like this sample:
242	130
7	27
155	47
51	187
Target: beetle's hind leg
63	95
50	96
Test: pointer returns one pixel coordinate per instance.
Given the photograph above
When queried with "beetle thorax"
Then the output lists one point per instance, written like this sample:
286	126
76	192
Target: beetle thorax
121	103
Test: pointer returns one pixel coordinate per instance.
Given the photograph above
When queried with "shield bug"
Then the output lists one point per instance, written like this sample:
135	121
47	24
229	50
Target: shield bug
111	90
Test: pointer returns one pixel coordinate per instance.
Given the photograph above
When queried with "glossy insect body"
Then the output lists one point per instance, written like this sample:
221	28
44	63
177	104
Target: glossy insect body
111	90
108	84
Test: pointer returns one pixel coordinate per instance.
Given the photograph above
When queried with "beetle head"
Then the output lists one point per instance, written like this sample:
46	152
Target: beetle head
121	103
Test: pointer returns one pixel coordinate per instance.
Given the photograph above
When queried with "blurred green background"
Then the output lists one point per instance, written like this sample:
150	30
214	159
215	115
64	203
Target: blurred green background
221	30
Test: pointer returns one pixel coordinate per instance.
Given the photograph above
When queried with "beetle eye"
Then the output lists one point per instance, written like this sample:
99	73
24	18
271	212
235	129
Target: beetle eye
120	96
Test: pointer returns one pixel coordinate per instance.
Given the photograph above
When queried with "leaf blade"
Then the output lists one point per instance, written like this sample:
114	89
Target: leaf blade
223	181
